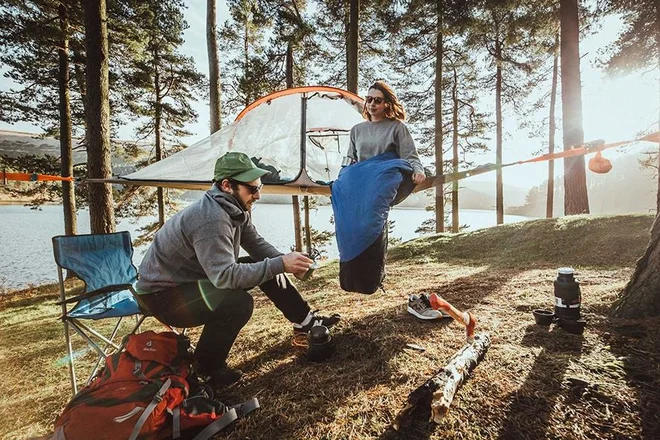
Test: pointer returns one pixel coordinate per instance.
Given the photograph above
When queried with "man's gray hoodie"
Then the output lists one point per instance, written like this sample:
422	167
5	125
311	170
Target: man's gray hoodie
202	242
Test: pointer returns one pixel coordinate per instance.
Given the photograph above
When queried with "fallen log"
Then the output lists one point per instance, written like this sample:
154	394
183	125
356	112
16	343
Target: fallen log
438	392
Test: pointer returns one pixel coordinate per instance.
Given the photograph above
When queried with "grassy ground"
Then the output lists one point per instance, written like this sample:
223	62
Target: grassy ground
534	382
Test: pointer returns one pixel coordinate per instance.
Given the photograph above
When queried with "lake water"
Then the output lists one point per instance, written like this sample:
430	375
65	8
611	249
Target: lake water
27	255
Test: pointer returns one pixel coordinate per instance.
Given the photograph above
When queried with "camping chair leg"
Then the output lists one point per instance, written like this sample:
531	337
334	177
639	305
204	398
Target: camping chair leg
82	334
138	321
69	350
67	337
99	335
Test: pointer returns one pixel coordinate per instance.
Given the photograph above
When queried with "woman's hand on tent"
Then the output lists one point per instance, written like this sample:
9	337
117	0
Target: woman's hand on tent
418	177
296	263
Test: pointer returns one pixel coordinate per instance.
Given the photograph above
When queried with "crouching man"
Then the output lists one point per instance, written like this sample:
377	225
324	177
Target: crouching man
191	274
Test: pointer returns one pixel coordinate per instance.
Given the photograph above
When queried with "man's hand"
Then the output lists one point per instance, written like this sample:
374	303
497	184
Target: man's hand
418	178
296	263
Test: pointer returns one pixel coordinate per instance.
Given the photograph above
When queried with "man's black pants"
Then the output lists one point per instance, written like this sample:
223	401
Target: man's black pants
223	313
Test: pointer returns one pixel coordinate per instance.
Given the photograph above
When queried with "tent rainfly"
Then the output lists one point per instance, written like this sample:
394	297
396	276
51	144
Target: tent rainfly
300	134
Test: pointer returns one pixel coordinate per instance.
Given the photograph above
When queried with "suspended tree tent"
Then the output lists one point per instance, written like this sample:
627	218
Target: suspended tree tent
300	134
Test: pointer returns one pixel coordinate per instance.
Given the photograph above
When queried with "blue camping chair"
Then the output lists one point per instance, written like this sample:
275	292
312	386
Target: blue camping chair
104	263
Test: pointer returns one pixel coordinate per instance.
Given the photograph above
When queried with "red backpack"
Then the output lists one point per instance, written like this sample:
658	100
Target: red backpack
143	392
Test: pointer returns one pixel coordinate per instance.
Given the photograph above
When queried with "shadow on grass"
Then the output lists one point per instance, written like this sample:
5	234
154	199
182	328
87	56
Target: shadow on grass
532	403
316	393
638	345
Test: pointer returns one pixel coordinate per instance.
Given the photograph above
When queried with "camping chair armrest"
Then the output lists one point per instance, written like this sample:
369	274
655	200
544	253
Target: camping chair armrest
113	288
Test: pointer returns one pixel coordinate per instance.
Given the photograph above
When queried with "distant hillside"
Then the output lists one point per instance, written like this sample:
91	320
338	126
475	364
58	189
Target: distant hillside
16	143
627	188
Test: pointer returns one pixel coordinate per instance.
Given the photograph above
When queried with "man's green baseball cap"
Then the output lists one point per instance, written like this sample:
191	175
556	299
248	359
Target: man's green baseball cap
237	166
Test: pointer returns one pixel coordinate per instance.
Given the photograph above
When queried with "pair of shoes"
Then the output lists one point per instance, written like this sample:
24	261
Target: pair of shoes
300	332
420	306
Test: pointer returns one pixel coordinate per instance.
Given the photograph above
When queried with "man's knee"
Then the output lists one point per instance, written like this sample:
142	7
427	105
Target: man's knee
241	305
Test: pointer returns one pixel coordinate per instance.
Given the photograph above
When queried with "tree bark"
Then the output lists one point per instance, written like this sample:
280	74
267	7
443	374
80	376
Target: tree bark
294	199
454	159
352	47
657	48
499	186
97	117
576	200
66	152
296	223
439	167
308	232
549	208
158	135
641	296
214	66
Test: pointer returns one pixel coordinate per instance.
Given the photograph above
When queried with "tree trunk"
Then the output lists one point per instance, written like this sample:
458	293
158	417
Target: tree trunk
214	66
549	208
289	66
157	131
439	168
641	296
657	48
294	199
66	152
352	47
499	186
454	160
576	200
296	223
97	117
308	232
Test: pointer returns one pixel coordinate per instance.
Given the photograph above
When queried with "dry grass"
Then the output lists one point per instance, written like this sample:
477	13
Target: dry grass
534	382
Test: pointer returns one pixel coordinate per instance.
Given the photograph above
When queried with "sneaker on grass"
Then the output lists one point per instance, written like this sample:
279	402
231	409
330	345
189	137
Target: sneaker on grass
419	306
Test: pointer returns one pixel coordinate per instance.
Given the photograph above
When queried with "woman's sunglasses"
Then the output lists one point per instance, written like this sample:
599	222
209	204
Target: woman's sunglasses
253	189
376	100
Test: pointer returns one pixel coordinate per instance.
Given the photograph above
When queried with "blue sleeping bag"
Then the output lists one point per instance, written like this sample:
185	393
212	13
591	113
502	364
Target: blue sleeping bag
361	199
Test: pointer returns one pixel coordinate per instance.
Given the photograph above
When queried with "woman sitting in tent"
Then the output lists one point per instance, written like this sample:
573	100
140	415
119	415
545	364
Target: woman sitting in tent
384	168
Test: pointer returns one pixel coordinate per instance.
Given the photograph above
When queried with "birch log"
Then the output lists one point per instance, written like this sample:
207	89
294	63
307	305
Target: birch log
439	391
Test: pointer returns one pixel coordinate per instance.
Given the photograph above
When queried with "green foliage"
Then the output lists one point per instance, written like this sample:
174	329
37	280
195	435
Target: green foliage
160	84
30	36
637	46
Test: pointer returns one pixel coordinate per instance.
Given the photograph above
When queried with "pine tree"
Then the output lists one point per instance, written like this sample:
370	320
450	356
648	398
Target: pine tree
36	37
507	31
161	83
639	47
243	37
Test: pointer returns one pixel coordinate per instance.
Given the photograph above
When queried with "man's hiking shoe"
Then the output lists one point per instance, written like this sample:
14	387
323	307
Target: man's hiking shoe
420	306
224	377
300	331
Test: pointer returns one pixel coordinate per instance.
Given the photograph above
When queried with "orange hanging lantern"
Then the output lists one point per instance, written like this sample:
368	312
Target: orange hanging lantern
599	164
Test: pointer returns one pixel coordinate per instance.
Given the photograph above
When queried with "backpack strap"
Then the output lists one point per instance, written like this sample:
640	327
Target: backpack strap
149	409
218	425
245	408
176	422
233	412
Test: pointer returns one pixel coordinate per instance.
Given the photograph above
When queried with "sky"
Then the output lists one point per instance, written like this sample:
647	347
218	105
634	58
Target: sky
614	109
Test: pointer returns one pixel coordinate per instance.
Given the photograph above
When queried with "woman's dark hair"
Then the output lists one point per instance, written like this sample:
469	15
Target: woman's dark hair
393	108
